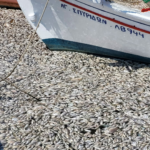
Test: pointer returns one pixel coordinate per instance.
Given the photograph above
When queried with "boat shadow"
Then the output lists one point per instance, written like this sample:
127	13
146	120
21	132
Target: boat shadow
1	146
129	64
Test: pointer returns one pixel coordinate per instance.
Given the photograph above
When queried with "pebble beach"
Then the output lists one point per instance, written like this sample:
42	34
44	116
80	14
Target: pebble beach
61	100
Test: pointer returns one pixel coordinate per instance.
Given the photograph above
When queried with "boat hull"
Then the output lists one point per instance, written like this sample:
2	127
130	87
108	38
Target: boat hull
64	45
9	3
84	26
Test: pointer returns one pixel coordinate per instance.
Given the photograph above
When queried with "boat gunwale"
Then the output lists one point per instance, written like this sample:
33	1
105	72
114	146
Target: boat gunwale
108	18
112	13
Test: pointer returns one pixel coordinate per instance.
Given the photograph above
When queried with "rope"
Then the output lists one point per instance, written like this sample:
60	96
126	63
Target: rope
31	37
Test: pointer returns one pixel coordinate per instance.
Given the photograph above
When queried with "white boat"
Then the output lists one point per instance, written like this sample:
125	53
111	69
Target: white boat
91	26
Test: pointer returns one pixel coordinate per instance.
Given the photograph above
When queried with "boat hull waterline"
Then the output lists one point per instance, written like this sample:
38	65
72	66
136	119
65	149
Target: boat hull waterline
84	26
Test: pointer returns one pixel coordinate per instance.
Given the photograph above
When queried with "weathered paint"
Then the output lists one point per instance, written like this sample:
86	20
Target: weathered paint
63	45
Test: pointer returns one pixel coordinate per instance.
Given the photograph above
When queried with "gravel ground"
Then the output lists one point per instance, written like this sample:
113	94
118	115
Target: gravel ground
78	102
136	4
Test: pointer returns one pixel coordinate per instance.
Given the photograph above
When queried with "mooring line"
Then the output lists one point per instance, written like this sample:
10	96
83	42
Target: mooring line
31	37
22	55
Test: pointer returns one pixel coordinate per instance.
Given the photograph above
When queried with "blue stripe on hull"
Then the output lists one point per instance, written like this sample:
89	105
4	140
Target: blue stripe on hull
63	45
